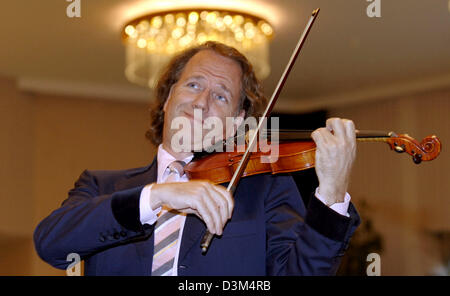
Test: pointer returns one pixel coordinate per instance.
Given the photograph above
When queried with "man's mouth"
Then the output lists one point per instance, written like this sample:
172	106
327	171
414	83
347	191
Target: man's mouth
191	117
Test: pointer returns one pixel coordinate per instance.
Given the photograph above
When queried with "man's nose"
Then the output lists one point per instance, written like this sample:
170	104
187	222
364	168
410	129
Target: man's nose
201	101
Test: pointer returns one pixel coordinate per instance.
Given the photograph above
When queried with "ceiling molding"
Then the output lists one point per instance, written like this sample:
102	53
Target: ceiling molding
84	90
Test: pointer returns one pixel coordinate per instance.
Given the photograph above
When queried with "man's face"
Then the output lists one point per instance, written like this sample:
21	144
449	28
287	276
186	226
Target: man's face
210	83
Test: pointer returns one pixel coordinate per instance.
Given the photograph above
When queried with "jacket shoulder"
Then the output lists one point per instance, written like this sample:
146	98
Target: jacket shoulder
119	172
107	180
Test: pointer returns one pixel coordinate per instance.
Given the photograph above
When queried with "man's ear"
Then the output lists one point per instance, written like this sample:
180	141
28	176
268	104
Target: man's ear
168	97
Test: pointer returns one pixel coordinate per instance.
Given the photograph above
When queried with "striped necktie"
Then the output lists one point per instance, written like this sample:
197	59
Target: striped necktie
167	230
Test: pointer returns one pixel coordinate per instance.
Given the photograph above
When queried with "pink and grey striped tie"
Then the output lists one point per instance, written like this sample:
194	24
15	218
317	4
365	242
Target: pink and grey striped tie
167	230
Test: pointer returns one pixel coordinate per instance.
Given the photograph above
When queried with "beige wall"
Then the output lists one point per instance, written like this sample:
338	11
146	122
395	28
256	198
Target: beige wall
47	141
16	165
407	201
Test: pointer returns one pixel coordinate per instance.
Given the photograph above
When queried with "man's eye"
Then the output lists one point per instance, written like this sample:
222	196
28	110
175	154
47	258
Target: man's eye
221	98
193	85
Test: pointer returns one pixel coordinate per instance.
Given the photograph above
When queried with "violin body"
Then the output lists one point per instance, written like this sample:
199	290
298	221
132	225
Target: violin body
220	167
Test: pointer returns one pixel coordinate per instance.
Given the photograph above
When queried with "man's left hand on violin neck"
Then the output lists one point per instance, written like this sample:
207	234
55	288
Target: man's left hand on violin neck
335	155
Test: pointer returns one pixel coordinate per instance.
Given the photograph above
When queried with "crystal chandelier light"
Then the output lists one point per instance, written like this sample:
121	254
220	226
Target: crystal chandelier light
152	40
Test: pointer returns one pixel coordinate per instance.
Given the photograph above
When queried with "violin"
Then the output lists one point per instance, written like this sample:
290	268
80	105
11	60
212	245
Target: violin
296	152
296	148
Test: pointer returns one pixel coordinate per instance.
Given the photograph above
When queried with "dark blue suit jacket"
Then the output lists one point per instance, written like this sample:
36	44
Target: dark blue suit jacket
270	233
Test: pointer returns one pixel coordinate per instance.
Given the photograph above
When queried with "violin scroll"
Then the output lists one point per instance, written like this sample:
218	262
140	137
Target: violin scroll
428	149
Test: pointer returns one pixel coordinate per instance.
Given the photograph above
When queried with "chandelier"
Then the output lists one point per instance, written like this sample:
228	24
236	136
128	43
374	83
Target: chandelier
152	40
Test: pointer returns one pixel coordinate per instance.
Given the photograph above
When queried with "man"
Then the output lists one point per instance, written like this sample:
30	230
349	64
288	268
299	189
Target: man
150	220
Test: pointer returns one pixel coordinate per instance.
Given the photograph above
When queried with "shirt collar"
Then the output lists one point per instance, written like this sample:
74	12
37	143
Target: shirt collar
164	158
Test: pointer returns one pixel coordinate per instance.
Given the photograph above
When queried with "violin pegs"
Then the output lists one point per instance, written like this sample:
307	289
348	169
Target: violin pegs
399	148
417	158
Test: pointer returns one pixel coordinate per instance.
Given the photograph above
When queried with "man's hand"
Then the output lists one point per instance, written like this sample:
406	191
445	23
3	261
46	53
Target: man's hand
335	154
211	203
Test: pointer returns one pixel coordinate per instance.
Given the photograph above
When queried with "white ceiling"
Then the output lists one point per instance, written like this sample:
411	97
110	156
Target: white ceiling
348	56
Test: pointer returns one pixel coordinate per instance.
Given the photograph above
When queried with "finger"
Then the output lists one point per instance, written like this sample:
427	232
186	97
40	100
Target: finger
199	203
324	138
210	200
221	203
337	126
318	137
351	135
203	213
228	197
349	128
